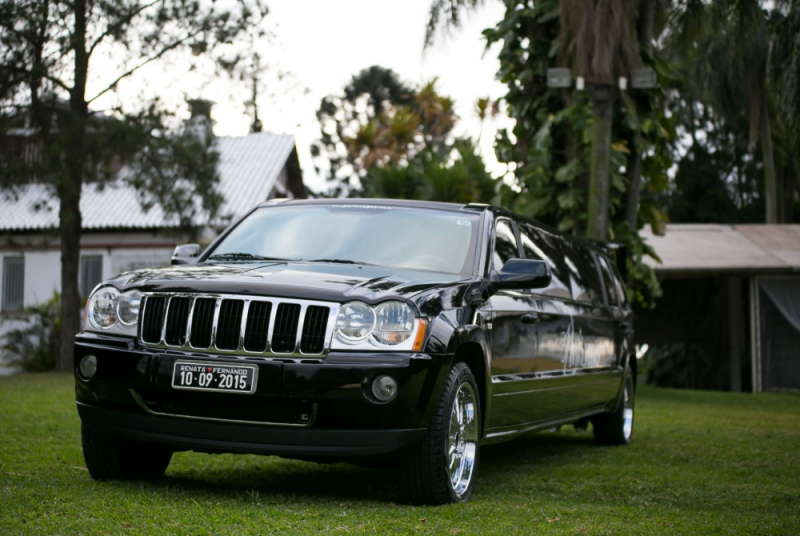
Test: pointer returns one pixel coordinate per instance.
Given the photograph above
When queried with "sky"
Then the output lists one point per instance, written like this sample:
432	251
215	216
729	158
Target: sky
322	44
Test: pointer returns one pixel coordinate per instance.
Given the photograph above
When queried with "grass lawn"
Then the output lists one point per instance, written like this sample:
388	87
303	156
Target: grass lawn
701	462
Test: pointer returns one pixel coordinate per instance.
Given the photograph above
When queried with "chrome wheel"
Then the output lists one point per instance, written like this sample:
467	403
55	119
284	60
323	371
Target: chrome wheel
462	439
627	412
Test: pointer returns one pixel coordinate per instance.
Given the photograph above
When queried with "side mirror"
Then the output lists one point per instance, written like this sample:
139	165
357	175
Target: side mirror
186	254
521	274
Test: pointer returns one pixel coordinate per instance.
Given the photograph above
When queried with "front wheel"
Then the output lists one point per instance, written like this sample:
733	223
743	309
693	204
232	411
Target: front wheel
616	428
114	458
441	469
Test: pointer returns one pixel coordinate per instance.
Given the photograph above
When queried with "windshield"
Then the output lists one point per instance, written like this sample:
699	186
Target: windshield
399	237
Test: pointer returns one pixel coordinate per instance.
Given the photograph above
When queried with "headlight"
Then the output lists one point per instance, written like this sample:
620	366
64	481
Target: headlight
395	323
111	312
355	321
128	307
103	308
389	325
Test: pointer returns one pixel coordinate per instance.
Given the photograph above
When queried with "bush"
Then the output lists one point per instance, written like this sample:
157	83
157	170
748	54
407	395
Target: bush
35	345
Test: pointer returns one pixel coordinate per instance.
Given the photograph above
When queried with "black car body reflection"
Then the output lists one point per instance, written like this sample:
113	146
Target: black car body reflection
359	338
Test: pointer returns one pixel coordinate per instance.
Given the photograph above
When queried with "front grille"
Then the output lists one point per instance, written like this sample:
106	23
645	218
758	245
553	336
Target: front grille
229	324
257	329
284	338
316	322
237	324
153	319
177	316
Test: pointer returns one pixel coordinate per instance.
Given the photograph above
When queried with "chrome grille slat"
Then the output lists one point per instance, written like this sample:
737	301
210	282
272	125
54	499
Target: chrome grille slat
229	324
284	340
313	333
238	325
151	324
202	319
177	319
256	333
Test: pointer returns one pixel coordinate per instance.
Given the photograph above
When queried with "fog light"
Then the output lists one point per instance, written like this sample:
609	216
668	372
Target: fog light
88	366
384	388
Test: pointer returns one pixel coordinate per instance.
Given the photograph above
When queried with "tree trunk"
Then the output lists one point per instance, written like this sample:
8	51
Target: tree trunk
597	224
770	183
634	171
69	193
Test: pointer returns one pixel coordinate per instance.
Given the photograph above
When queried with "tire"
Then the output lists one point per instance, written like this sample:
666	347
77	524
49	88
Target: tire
113	458
616	428
442	468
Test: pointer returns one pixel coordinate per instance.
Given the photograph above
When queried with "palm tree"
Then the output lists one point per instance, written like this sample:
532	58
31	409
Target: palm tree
724	46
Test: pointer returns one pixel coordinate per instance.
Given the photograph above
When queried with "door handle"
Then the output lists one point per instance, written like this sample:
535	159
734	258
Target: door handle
530	318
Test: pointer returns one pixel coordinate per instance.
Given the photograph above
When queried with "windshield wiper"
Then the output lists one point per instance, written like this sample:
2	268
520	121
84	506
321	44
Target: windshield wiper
242	257
341	261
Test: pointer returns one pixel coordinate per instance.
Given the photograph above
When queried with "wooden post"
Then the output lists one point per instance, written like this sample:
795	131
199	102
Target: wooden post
735	332
755	332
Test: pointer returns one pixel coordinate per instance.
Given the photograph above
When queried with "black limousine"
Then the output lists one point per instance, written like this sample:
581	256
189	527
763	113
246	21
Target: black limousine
369	331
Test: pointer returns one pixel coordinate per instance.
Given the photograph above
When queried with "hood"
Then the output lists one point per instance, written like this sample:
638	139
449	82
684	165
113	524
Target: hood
301	280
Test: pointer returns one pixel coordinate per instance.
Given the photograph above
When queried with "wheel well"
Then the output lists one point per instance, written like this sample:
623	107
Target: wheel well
471	353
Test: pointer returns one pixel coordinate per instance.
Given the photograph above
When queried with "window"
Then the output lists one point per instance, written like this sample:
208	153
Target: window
406	238
13	283
91	273
585	280
608	282
505	245
538	244
623	298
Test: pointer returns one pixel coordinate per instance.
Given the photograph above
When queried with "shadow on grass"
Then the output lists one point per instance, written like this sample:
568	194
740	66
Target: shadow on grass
273	478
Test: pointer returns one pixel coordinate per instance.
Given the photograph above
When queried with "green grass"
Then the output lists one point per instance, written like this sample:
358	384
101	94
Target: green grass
701	462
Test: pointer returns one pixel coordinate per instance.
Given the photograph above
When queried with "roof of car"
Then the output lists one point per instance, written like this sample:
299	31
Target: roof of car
380	202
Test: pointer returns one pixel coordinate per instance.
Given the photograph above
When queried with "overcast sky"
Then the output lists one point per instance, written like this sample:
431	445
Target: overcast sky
322	44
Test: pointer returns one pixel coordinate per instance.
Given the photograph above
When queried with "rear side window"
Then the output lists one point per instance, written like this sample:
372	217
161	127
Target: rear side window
619	285
608	281
540	245
584	276
505	245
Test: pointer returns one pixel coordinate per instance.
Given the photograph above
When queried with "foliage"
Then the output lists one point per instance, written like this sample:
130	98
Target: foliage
676	366
33	345
700	463
549	148
735	87
461	178
177	171
383	138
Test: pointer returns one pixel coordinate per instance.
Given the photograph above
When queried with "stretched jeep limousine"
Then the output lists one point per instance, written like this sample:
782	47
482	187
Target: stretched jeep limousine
380	332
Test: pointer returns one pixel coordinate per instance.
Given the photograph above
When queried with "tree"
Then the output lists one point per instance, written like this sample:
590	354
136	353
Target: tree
383	138
724	48
48	49
550	148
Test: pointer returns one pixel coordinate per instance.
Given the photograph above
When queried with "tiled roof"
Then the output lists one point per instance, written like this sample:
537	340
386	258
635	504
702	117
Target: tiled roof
249	167
712	248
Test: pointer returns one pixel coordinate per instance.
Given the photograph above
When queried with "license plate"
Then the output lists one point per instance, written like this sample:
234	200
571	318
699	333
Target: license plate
196	376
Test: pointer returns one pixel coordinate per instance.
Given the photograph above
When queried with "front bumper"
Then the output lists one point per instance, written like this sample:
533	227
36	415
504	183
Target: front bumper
301	408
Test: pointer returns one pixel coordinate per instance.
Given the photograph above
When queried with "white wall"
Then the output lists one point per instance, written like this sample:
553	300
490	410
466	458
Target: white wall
118	250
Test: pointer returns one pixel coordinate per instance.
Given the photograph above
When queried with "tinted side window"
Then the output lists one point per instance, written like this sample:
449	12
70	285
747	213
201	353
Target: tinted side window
538	244
623	298
608	282
583	274
505	244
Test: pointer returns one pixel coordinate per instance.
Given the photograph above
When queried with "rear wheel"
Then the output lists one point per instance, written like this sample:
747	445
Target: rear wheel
441	469
616	428
113	458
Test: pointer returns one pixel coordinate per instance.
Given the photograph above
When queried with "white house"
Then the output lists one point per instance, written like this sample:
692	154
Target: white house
117	234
